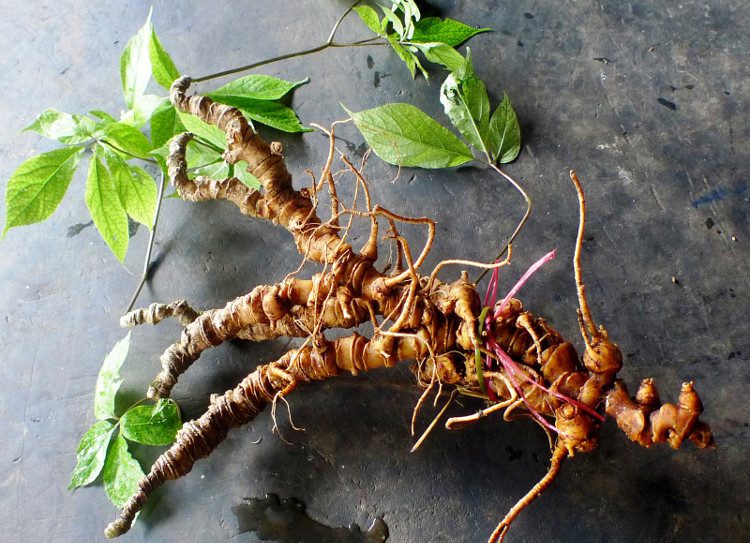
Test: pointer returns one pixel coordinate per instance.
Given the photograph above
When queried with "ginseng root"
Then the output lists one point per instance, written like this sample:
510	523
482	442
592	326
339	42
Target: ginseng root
494	350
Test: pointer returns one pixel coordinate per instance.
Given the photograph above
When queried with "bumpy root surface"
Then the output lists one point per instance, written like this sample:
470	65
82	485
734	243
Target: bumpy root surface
514	360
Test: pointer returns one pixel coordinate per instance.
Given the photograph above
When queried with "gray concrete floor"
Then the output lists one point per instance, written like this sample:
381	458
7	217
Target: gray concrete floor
668	189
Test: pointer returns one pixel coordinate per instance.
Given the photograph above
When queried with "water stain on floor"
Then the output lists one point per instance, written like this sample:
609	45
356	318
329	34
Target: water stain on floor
286	521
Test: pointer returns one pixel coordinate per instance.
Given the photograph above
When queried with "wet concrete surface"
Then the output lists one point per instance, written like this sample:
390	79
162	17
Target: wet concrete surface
647	100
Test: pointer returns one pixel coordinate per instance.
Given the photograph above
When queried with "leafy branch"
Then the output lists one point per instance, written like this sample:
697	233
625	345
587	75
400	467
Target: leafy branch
403	135
117	188
148	424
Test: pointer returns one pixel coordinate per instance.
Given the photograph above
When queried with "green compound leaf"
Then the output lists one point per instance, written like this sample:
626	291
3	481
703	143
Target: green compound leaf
105	207
63	127
127	139
165	123
135	64
136	188
121	472
152	424
203	130
164	70
447	31
108	382
38	185
256	86
504	133
404	135
91	454
370	17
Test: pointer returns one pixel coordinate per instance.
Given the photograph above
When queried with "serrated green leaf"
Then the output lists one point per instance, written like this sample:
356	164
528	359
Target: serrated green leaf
466	103
91	454
404	135
165	123
63	127
370	17
136	188
127	139
121	473
257	87
108	382
38	185
135	64
143	108
203	130
442	54
105	207
164	70
504	133
271	114
155	424
241	173
447	31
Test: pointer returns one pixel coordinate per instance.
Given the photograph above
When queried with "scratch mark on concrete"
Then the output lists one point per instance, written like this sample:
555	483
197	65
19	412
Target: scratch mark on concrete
658	202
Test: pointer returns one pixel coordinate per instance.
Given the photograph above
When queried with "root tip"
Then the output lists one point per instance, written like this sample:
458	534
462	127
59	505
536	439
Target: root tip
116	529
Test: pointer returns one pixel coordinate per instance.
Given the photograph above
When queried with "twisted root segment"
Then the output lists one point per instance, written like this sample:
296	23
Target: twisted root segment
646	422
529	369
155	313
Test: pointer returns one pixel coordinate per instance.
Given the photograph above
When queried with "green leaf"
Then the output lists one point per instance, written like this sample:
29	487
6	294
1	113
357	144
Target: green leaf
103	115
447	31
275	115
103	202
135	64
127	139
164	124
198	154
203	130
404	135
258	87
63	127
165	72
467	105
271	114
241	173
108	382
152	424
136	189
442	54
396	23
505	133
143	108
407	56
38	185
216	170
370	17
91	454
122	472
